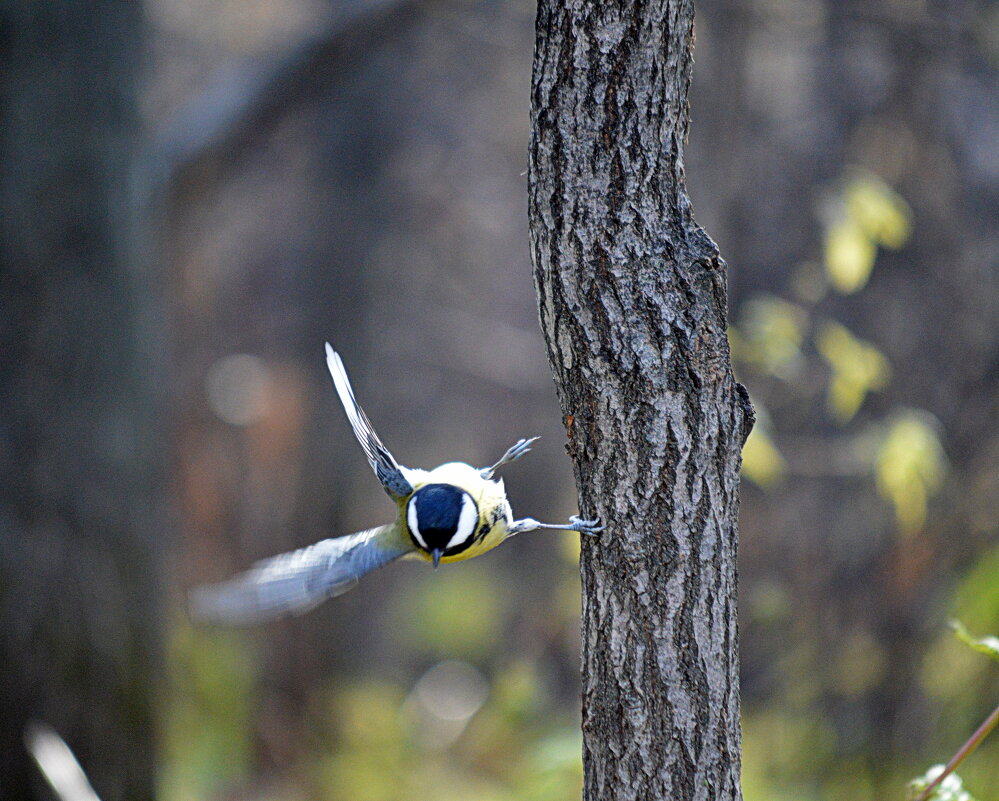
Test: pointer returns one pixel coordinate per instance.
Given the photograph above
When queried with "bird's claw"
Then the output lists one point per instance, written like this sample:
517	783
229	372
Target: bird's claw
521	447
589	527
513	453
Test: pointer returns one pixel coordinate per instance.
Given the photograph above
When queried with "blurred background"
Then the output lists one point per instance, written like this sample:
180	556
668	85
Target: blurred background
196	194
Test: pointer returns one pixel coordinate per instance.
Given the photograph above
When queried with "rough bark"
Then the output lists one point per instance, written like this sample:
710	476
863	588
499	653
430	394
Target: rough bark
632	297
79	494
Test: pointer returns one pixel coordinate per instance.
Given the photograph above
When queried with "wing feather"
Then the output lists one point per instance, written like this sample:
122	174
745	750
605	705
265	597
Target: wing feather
390	474
295	582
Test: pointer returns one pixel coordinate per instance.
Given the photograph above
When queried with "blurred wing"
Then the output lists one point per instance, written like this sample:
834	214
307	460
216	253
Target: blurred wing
391	476
295	582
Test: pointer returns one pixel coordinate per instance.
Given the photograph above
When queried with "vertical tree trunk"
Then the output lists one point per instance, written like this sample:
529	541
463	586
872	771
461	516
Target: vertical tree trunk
632	296
79	495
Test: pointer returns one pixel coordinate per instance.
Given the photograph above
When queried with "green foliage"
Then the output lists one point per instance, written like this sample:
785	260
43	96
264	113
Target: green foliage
950	789
955	677
976	599
387	743
902	453
207	711
453	613
779	744
988	645
478	725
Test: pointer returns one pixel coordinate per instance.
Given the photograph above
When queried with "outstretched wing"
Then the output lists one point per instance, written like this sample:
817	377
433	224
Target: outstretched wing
295	582
390	474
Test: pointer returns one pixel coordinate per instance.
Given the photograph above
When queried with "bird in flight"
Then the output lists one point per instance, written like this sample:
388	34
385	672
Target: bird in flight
444	515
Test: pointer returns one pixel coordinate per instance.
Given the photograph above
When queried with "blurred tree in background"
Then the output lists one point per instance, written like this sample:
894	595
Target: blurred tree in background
81	442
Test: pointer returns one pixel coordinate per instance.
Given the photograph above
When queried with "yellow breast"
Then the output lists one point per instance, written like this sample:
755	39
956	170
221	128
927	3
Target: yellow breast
489	495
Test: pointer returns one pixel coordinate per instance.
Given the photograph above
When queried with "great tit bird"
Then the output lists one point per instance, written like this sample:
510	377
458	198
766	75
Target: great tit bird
447	514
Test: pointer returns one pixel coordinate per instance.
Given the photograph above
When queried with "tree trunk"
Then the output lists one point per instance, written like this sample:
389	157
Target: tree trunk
79	491
632	297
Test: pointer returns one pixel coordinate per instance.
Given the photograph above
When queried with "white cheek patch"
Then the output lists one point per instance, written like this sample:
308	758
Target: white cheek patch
467	521
413	527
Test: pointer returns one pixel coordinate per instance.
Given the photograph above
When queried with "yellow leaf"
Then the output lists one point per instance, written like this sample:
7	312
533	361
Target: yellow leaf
882	214
849	256
910	467
762	463
770	335
988	645
869	214
858	368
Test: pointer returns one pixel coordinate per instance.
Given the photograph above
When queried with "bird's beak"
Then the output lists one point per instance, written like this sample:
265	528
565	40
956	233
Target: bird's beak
437	553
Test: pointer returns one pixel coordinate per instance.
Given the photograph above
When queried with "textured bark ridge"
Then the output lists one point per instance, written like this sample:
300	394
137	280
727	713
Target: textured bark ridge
632	298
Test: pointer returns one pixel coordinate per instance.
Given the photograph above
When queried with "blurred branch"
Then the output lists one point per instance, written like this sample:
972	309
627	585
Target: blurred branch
57	763
824	457
934	28
249	94
972	743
